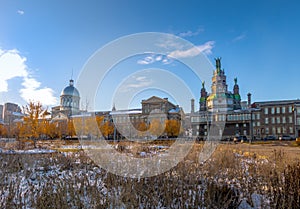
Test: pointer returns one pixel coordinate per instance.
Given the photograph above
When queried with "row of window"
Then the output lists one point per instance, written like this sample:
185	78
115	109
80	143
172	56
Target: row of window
278	120
279	130
278	110
233	117
236	125
244	117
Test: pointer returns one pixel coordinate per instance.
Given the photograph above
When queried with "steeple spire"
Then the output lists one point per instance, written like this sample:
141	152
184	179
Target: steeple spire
71	80
218	64
114	107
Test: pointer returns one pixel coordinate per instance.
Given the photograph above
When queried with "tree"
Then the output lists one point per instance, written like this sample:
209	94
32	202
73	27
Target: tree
173	128
33	111
106	128
71	129
3	130
142	128
156	127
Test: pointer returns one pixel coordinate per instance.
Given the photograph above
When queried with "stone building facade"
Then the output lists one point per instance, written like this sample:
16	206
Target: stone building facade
277	118
222	105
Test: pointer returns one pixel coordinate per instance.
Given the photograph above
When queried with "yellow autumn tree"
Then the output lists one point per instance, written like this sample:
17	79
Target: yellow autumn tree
31	124
156	127
172	128
71	129
107	129
3	131
142	128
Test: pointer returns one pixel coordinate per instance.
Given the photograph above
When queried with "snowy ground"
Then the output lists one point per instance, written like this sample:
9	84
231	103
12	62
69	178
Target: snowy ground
45	178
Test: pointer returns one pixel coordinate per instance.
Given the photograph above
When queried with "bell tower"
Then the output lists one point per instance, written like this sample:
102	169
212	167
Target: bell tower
203	98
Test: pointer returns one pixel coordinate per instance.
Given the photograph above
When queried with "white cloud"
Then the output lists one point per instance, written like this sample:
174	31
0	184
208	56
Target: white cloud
135	82
147	60
33	92
194	51
239	38
190	33
13	65
175	49
20	12
154	58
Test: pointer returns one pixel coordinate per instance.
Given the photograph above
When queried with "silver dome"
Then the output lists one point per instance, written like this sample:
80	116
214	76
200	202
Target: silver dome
70	90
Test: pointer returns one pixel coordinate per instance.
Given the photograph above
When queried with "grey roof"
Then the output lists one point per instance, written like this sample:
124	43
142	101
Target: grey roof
70	91
278	102
122	112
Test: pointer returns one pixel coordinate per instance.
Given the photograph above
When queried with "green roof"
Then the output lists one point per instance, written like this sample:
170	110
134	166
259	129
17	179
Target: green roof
202	99
237	97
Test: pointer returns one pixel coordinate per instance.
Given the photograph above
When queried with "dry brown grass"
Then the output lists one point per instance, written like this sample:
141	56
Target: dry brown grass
233	173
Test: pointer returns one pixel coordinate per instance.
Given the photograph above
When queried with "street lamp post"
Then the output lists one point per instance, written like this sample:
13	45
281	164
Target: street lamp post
295	121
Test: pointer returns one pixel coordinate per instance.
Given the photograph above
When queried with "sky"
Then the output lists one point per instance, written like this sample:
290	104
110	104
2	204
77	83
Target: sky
45	43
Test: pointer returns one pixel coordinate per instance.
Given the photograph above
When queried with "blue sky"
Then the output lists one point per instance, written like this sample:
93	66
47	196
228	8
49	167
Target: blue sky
41	42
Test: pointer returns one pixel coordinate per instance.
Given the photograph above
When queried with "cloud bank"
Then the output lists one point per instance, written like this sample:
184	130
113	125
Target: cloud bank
205	48
13	65
190	33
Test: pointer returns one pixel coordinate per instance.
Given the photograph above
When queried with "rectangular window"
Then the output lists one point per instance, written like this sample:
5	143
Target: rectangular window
291	130
258	123
273	131
284	130
277	110
290	109
278	130
273	120
278	120
266	120
245	125
290	119
237	125
298	121
283	110
266	111
283	119
258	116
272	110
267	130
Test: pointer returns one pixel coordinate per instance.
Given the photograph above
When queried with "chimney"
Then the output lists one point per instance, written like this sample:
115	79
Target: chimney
249	100
192	105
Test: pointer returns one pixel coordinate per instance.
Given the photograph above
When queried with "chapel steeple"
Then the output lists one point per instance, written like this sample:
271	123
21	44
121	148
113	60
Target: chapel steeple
203	98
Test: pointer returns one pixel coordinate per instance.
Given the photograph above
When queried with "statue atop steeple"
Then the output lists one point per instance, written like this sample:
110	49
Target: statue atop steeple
218	63
235	81
203	84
